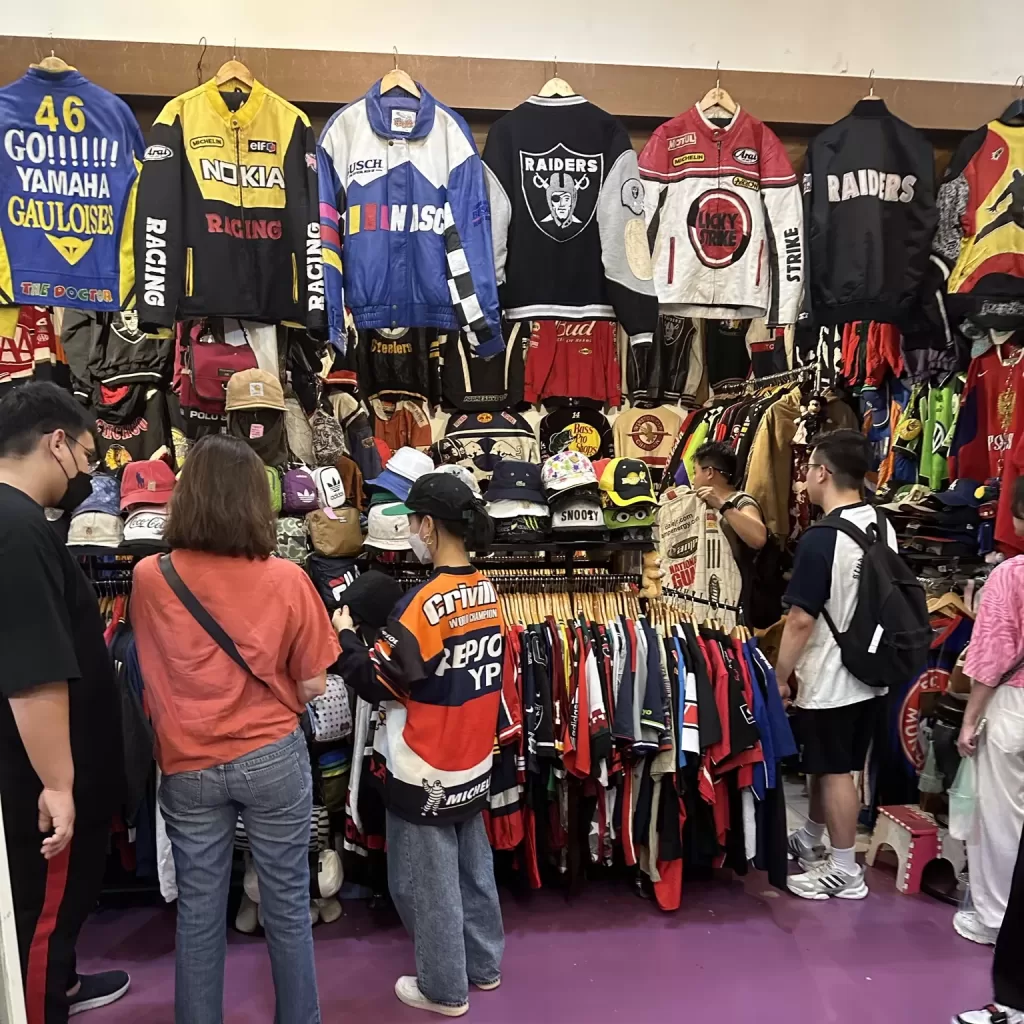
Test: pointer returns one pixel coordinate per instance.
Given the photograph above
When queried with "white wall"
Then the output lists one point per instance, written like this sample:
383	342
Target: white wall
955	40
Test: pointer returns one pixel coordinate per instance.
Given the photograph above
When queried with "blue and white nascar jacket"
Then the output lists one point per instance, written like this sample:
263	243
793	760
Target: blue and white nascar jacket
403	206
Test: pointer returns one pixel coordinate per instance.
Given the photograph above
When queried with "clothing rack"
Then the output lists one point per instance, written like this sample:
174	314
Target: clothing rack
686	595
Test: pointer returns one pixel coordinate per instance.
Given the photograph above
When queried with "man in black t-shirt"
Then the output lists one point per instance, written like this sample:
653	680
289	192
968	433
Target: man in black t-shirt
60	774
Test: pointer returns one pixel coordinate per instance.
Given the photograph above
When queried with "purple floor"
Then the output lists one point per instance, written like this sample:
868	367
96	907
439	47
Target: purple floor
736	952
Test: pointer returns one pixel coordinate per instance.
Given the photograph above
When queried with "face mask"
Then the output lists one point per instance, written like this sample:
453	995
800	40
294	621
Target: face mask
419	548
79	488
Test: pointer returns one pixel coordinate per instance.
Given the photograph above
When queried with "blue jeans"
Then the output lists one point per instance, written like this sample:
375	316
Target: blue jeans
273	790
442	881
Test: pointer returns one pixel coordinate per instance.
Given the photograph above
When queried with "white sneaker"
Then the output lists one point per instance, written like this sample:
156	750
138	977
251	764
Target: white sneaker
968	925
805	854
408	990
994	1013
827	879
247	917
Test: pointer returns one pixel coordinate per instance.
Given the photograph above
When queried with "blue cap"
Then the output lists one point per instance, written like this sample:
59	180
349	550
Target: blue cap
105	497
960	493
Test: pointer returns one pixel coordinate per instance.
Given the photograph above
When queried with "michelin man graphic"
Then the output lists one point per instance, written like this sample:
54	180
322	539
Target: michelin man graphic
435	794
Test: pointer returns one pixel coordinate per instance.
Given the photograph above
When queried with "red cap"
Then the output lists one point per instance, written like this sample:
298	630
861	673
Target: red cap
599	467
384	450
146	483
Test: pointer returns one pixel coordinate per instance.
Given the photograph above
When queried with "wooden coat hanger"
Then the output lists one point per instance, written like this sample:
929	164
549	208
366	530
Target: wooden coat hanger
718	97
399	79
556	86
53	64
871	88
234	73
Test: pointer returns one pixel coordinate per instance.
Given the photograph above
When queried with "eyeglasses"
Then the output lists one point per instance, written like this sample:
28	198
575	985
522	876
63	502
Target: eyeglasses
818	465
92	461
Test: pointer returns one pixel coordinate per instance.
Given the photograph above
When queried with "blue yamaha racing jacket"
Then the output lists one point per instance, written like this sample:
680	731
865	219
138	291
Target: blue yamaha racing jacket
403	207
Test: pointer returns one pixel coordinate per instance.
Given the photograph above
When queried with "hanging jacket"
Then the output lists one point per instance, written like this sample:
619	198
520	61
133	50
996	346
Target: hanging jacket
724	218
568	216
69	169
980	238
109	349
403	204
869	211
227	221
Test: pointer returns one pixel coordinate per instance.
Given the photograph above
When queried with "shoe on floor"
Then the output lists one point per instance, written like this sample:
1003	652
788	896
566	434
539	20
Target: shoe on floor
827	880
968	925
408	990
805	855
95	990
488	986
247	918
994	1013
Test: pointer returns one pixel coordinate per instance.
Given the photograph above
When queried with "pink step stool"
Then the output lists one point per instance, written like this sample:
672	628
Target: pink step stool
913	836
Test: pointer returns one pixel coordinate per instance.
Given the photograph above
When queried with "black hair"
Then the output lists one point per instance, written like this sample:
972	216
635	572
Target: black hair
1018	498
847	454
717	455
33	410
475	529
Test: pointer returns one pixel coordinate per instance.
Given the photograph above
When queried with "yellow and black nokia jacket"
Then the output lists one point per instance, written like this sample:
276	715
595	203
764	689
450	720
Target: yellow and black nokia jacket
228	220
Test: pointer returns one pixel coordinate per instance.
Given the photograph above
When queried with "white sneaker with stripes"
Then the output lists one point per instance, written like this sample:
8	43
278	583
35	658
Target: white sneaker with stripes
806	855
827	880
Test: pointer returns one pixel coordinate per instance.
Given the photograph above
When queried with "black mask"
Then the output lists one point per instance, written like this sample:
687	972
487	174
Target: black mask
79	488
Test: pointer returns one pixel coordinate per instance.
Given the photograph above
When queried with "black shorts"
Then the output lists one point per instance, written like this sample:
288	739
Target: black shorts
834	741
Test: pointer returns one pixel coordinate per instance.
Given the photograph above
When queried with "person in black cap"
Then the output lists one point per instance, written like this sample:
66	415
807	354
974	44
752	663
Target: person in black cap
438	670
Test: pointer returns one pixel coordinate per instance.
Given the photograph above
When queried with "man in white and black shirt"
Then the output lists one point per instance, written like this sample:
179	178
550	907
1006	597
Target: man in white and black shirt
837	714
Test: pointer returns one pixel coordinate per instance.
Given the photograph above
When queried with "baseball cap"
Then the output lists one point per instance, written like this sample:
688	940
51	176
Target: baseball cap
403	468
960	492
371	597
616	518
96	529
146	483
437	494
567	470
516	480
254	389
105	497
387	532
577	512
461	473
383	497
145	524
509	508
627	482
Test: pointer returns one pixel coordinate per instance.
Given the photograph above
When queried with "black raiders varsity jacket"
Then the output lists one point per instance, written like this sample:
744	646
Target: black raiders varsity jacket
567	216
870	213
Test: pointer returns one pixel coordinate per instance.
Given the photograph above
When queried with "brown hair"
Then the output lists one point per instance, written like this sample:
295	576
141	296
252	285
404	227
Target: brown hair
221	503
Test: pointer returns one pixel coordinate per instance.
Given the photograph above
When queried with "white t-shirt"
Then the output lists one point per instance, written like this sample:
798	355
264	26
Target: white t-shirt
826	573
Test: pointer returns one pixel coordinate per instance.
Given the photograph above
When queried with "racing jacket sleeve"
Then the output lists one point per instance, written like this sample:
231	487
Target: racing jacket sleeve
624	248
160	259
300	169
469	247
332	210
784	223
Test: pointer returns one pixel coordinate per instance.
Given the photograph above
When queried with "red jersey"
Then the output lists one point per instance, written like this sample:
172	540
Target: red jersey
573	359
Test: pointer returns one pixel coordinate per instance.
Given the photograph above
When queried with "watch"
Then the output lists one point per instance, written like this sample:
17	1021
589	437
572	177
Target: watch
725	506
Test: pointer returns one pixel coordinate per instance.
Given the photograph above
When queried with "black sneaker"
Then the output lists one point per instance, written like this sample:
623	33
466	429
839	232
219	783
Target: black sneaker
98	990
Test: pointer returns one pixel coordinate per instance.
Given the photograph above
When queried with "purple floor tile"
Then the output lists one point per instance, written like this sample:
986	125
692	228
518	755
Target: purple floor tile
733	950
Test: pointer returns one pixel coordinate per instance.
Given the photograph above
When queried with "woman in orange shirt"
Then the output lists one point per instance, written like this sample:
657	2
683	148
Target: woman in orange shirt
227	739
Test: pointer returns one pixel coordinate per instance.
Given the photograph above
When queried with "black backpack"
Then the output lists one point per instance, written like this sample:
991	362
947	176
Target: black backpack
889	636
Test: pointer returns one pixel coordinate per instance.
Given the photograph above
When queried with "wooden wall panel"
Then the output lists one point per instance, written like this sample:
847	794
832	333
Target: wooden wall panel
317	77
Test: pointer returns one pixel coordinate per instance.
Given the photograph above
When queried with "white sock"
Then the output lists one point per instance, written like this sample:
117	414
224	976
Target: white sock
813	832
845	859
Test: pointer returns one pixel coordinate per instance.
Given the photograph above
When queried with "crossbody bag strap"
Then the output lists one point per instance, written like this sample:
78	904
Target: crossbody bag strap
201	615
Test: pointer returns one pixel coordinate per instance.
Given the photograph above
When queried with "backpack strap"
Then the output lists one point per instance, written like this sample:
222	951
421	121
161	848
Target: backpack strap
855	533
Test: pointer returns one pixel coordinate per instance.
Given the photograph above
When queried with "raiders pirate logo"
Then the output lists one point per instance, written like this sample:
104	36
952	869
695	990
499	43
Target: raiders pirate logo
719	226
126	326
561	187
632	195
675	329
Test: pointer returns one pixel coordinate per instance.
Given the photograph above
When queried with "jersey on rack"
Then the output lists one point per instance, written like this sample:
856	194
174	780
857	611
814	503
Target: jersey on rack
69	168
869	195
228	221
980	238
568	224
403	203
725	220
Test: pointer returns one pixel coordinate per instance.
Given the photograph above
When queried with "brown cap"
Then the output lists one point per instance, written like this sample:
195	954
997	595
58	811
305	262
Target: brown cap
254	389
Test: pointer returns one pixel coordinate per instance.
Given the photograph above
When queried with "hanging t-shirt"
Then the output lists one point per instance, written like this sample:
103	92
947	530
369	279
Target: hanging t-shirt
647	434
580	429
695	553
26	344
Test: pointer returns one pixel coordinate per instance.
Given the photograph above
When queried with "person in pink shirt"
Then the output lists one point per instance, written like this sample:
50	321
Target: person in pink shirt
993	732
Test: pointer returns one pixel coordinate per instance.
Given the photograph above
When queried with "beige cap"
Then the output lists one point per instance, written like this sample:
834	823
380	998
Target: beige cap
254	389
